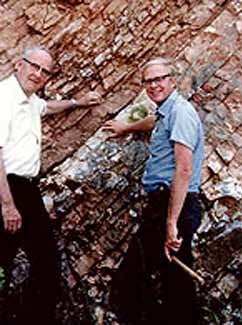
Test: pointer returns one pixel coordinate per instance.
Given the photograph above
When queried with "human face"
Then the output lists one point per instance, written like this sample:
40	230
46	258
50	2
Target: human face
33	71
159	82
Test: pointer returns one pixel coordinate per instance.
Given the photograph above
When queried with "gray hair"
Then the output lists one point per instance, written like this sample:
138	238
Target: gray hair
167	62
28	50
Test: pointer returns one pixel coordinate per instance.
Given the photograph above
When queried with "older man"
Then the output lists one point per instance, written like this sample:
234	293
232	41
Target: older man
171	178
23	219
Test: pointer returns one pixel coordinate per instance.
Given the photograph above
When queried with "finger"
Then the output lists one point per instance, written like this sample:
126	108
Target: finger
178	243
180	239
14	228
5	224
112	135
175	248
175	245
93	102
13	224
167	253
97	96
10	226
108	124
107	128
19	223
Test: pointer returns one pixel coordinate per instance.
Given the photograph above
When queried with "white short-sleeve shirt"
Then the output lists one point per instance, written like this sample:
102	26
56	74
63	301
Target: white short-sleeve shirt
20	128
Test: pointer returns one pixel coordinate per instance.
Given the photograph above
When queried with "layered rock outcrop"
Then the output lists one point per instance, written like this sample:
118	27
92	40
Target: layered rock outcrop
91	184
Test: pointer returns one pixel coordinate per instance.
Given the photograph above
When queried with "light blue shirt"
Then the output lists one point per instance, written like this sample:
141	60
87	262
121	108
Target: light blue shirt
176	121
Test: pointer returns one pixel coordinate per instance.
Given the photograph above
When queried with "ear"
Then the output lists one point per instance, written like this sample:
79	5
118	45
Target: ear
18	64
173	81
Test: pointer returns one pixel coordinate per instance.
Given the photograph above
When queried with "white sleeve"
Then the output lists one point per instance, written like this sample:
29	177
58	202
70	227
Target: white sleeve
40	105
5	119
43	106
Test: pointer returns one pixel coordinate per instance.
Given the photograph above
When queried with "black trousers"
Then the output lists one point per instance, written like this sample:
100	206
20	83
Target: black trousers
131	295
36	238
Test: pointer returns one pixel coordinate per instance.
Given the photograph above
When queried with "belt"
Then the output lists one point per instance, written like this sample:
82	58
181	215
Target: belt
164	188
30	179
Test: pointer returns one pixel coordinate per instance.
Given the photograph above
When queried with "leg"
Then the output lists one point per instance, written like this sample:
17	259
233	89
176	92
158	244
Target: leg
38	242
9	244
180	293
130	291
8	249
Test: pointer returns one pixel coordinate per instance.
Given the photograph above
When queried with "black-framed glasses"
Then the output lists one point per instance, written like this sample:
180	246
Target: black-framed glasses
159	79
37	68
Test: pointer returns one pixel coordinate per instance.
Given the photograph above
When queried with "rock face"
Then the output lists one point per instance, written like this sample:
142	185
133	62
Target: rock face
91	185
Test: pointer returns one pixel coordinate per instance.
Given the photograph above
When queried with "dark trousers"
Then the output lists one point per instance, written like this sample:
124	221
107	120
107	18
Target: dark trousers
131	295
36	238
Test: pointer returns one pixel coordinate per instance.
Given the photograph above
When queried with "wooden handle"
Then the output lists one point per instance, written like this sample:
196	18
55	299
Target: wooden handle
188	270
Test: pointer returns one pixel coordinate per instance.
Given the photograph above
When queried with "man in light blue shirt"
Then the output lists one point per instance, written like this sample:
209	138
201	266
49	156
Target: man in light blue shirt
176	121
171	178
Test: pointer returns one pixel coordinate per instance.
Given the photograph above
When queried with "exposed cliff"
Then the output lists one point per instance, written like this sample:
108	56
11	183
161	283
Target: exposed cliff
90	184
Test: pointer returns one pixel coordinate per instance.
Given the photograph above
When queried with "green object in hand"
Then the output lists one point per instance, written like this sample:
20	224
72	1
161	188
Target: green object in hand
138	112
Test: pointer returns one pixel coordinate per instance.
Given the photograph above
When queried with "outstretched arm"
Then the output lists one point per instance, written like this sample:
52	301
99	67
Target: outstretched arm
57	106
119	128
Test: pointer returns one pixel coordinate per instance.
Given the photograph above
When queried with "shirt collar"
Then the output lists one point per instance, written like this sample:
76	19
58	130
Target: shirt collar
164	108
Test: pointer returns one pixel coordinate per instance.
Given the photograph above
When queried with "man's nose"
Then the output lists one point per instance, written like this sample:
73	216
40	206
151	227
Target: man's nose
38	72
153	83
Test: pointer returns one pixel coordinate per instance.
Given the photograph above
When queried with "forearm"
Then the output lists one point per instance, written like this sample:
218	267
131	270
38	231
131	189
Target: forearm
145	124
119	128
177	197
178	194
180	181
12	220
58	106
5	193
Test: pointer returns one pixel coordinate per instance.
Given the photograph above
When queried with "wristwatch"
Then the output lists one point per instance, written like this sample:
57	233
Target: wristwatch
74	102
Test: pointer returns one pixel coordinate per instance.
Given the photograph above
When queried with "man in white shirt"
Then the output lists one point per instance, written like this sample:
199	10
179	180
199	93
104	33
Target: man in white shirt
23	219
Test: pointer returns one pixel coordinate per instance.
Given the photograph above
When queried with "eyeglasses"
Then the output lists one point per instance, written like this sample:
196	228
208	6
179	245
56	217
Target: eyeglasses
37	68
156	80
